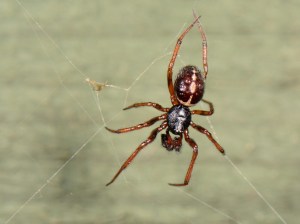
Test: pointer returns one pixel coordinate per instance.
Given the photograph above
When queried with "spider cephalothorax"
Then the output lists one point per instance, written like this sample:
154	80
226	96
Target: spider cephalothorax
178	120
187	91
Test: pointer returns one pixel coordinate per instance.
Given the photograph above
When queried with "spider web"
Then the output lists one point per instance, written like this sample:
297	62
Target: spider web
102	92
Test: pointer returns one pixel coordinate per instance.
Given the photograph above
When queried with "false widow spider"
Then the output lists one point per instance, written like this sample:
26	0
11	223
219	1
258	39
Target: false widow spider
187	91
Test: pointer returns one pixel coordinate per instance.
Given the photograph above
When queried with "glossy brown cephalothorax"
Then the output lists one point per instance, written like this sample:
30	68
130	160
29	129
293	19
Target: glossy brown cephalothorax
187	91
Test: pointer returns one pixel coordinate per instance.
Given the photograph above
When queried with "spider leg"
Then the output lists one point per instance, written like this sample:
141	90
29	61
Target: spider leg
139	126
194	146
204	112
174	100
208	134
204	47
139	148
148	104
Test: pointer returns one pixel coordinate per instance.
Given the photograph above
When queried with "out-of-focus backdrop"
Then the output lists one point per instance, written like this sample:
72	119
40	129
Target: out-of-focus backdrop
56	156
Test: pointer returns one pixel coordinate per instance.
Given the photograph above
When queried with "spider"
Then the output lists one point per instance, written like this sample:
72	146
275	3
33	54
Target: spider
187	90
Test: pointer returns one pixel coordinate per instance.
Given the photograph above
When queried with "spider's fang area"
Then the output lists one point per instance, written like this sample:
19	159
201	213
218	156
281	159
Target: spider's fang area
171	144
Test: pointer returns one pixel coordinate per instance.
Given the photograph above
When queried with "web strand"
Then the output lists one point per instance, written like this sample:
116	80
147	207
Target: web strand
246	179
255	189
100	128
50	38
53	175
208	206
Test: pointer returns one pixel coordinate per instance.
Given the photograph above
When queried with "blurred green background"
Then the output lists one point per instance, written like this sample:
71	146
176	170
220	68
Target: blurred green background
49	174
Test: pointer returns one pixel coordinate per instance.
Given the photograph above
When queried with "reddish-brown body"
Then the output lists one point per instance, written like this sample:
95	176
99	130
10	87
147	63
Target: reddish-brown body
187	90
189	85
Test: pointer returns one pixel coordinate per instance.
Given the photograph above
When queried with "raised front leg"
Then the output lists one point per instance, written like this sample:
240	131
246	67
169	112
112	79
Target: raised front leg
173	97
204	47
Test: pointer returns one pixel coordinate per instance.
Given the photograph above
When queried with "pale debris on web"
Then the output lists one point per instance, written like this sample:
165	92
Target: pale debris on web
97	86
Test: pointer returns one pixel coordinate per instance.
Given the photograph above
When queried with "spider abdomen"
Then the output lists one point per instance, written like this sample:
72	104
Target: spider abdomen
189	85
179	118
